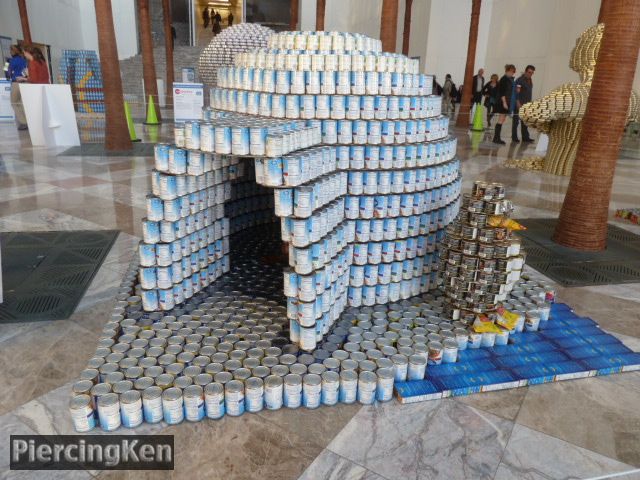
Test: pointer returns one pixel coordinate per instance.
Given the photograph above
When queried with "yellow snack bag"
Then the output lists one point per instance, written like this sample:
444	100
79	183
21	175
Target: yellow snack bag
484	324
499	221
507	319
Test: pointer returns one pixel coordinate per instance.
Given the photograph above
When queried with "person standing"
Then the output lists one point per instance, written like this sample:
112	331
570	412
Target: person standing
230	19
490	93
478	85
524	85
505	89
205	17
448	94
38	69
17	74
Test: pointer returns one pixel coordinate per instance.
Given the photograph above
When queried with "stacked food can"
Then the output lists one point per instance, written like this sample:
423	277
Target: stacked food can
480	265
224	46
370	237
81	70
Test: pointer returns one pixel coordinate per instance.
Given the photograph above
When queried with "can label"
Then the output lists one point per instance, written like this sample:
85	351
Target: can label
292	395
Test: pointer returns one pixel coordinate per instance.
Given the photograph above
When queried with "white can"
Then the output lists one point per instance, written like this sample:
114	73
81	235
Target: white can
234	398
330	388
254	394
348	386
109	412
311	390
214	400
417	367
82	413
367	383
384	390
292	397
194	409
131	408
273	392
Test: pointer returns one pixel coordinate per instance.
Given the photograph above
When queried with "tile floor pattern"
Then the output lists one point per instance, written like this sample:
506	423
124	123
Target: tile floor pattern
588	428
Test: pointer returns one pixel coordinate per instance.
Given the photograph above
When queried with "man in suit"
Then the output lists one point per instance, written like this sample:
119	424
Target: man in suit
478	85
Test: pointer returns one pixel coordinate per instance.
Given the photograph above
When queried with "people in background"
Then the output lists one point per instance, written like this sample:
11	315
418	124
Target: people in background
38	69
216	21
205	17
230	19
490	94
478	85
448	94
504	105
524	94
17	73
436	88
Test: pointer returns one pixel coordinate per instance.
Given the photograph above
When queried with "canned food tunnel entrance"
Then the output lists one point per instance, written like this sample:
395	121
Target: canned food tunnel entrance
257	253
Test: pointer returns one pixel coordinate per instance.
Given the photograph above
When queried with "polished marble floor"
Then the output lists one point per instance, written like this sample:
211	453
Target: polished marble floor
578	429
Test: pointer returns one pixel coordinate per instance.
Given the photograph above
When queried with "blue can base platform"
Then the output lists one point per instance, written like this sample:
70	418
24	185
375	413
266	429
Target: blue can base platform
569	347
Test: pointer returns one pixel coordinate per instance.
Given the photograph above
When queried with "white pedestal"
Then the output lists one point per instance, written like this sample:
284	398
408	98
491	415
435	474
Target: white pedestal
50	115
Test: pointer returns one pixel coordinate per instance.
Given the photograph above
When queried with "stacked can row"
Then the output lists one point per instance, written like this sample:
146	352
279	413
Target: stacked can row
327	61
311	40
343	83
387	157
331	107
235	134
215	399
185	243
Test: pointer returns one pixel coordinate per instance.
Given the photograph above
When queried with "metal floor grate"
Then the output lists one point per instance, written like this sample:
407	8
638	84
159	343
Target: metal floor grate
45	274
619	263
98	150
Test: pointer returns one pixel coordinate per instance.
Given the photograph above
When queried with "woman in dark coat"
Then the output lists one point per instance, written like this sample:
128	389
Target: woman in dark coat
505	90
490	94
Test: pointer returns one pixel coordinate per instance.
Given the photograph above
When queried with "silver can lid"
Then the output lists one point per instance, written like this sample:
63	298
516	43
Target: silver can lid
143	383
183	382
273	381
367	366
330	377
399	359
203	379
100	389
417	360
261	371
234	386
83	386
348	375
214	388
368	377
130	396
108	399
280	370
79	401
253	383
385	373
193	391
293	379
122	386
223	377
172	393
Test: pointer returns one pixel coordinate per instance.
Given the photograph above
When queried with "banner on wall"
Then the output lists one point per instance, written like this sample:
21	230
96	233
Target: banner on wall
6	112
188	74
188	100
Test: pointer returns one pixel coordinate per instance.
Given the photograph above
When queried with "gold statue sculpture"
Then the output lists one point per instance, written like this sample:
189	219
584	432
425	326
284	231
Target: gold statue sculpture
559	113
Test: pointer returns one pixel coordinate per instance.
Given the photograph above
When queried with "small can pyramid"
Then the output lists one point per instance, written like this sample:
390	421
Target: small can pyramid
481	259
